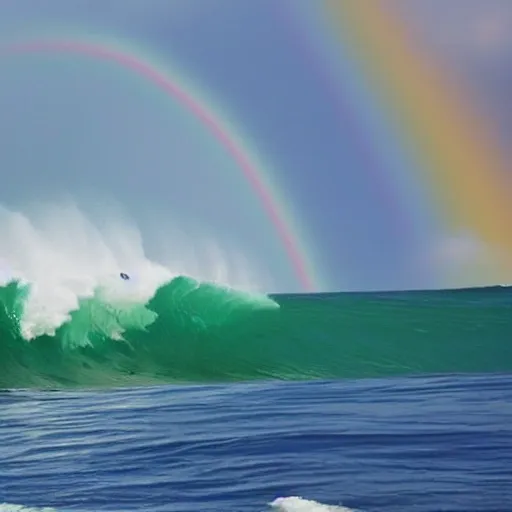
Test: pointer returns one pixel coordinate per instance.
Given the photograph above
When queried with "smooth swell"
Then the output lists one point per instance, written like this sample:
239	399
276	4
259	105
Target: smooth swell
192	332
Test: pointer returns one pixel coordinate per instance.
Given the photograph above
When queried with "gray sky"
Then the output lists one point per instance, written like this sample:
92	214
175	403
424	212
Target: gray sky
72	127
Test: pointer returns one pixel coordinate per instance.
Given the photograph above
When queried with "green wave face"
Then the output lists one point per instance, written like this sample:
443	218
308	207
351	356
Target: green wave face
191	332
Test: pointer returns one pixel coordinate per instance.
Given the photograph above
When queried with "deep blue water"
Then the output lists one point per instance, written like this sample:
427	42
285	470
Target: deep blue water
388	445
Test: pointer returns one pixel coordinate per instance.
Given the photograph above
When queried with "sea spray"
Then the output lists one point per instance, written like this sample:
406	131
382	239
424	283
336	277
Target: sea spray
191	332
68	320
63	257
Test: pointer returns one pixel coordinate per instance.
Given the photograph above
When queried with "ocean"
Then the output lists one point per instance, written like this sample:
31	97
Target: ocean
205	398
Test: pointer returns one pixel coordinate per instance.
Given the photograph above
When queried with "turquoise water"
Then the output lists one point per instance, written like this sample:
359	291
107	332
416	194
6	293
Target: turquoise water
196	333
205	398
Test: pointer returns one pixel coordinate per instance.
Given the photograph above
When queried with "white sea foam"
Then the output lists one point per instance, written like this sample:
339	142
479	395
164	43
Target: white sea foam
288	504
65	256
298	504
9	507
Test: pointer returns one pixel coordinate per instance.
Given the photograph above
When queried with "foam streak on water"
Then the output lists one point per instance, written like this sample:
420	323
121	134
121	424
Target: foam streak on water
9	507
298	504
289	504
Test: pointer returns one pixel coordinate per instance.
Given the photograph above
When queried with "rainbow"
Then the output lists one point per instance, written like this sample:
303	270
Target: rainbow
157	75
454	151
429	154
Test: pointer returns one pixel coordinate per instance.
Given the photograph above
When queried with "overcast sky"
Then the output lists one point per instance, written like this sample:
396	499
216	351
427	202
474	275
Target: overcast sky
73	127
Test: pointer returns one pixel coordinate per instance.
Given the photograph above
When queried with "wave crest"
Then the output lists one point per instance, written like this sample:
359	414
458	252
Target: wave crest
62	258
